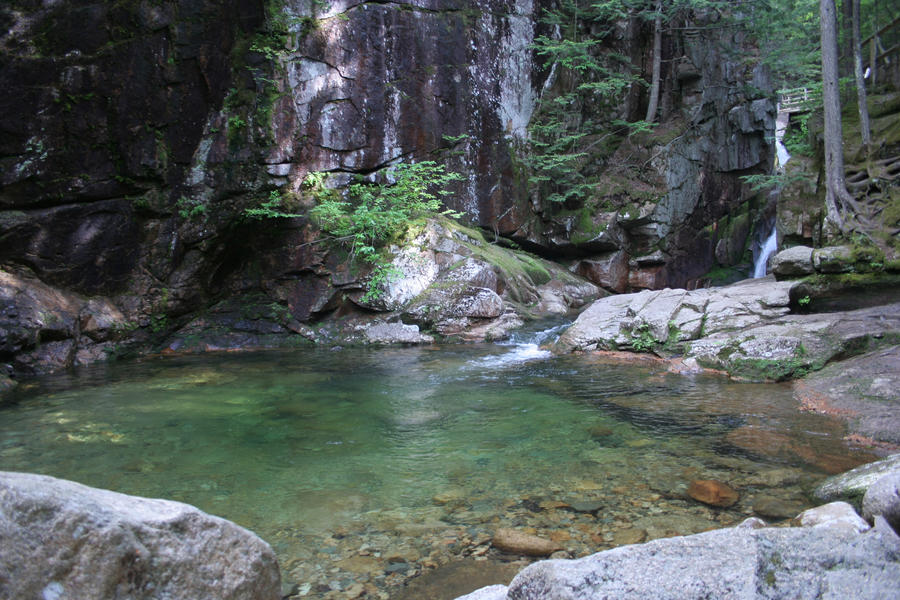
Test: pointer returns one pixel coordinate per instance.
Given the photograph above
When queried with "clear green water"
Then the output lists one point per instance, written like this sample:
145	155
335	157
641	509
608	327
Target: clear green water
403	447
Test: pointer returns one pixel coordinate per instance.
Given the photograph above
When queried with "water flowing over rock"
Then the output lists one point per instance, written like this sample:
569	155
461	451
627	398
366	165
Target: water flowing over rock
746	563
61	539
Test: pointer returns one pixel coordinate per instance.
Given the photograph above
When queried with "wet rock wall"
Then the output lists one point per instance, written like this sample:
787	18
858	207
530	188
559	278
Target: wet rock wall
136	133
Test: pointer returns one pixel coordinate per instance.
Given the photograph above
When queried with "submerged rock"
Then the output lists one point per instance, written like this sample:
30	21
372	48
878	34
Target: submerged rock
518	542
714	493
61	539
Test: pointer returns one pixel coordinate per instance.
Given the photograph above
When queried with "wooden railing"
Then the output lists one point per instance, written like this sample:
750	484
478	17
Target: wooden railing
798	99
883	60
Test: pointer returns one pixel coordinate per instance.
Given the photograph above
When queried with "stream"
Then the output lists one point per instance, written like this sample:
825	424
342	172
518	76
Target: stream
368	466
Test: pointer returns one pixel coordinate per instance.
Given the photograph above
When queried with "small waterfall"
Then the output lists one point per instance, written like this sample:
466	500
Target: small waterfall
768	248
523	346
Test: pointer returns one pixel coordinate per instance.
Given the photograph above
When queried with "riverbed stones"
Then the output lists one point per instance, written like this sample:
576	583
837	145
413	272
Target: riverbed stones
519	542
743	563
714	493
776	508
862	391
61	539
883	499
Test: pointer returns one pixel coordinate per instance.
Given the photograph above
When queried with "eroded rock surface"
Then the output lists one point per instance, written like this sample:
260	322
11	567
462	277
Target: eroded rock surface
61	539
745	328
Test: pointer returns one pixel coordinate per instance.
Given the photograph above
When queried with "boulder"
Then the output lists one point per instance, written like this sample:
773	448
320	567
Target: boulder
396	333
61	539
835	515
714	493
518	542
833	259
674	316
609	271
793	262
883	499
740	563
852	485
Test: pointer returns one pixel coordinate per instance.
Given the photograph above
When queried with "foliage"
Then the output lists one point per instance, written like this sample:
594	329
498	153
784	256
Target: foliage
642	339
272	208
761	182
796	141
190	208
368	215
562	134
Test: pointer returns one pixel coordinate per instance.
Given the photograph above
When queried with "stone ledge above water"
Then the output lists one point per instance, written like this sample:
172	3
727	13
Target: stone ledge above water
746	329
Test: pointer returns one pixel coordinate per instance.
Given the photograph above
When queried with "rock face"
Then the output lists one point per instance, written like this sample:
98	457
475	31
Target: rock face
745	328
64	540
135	141
741	563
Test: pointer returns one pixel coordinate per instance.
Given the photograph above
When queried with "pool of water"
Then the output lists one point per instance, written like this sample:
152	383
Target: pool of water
369	466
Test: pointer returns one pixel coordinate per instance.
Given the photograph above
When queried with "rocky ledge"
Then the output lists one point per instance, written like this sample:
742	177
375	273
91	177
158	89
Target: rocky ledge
449	283
747	329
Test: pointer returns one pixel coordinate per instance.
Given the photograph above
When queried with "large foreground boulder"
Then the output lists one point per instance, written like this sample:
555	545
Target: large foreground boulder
741	563
61	540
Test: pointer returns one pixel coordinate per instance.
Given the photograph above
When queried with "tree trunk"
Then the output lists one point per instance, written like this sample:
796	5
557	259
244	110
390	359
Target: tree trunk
860	81
657	64
837	199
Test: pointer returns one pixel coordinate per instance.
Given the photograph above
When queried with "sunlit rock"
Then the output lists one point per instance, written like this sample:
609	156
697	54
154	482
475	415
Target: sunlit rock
61	539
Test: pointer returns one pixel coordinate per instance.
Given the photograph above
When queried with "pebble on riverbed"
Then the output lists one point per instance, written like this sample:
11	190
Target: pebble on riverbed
714	493
518	542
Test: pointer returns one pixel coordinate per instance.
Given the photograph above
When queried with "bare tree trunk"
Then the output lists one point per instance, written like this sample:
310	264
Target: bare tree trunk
837	199
657	64
860	81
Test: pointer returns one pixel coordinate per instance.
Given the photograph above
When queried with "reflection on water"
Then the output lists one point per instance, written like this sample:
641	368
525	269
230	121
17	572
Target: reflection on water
402	447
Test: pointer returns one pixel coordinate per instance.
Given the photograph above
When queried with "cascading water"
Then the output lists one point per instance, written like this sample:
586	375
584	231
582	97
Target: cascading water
767	249
523	346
